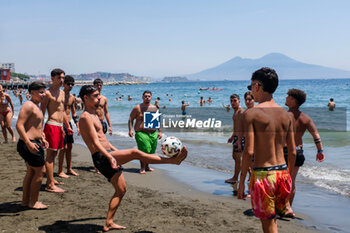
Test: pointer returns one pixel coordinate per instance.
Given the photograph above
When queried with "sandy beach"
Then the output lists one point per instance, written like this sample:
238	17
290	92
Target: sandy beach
153	203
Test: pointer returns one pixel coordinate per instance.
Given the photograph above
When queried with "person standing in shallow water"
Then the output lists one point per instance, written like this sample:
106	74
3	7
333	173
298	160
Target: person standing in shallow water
236	138
331	104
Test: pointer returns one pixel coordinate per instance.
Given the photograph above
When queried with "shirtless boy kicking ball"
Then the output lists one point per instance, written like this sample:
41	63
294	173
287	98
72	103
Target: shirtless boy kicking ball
31	145
268	128
107	159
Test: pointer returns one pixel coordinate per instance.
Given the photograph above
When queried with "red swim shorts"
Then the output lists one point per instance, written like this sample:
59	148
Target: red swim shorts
54	134
270	192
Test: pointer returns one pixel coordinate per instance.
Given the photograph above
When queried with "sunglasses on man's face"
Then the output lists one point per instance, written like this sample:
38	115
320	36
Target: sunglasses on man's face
250	86
70	84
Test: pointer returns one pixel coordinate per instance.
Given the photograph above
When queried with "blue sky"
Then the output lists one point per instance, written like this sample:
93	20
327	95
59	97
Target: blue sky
164	38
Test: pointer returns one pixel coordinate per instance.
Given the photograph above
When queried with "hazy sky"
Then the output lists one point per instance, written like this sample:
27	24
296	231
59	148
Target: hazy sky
169	37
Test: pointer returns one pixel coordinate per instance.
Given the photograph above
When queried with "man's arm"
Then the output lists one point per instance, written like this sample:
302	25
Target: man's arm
44	103
132	117
23	116
248	151
107	117
240	130
291	146
90	135
74	114
311	127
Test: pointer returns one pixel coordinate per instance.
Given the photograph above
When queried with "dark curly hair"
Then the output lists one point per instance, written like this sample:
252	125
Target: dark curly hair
298	95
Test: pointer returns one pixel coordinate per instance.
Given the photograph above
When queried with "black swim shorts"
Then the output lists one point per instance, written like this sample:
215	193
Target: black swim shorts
68	139
235	147
102	164
300	159
34	160
104	126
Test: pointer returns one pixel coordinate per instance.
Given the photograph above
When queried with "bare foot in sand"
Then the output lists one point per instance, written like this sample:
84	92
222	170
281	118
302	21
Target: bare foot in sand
148	169
54	189
5	142
142	171
231	181
13	139
63	175
71	172
113	226
57	182
38	206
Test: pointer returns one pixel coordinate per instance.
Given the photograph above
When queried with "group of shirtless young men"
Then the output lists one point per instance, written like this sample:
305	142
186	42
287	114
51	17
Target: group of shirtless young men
266	128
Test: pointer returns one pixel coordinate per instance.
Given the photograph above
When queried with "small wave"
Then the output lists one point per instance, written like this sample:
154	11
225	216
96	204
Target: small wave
121	134
330	178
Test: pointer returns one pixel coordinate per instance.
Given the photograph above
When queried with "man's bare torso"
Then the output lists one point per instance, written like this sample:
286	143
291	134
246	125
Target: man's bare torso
68	104
237	120
97	126
140	109
55	105
100	111
34	124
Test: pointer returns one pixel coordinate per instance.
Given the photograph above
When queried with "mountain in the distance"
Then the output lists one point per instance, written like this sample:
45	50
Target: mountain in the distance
287	68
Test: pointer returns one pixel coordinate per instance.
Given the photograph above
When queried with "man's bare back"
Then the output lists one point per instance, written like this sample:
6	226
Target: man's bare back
270	124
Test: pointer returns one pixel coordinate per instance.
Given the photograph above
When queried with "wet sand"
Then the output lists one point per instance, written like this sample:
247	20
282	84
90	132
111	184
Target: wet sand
153	203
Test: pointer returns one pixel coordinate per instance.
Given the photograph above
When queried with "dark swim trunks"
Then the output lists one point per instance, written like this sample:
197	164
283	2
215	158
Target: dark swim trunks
299	161
102	164
68	139
34	160
235	147
104	126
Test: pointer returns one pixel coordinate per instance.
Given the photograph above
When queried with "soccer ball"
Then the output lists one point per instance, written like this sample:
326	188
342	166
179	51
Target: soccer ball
171	146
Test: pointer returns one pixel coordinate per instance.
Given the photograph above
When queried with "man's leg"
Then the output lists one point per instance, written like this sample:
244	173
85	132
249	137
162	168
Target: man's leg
35	188
293	175
3	127
124	156
50	183
26	185
60	162
143	144
269	225
234	178
237	156
119	185
69	160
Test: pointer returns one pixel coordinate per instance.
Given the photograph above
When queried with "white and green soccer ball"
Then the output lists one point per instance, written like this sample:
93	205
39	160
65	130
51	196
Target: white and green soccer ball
171	146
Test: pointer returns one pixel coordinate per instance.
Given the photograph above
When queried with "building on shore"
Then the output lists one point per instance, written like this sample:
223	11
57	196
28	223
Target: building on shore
5	74
10	66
